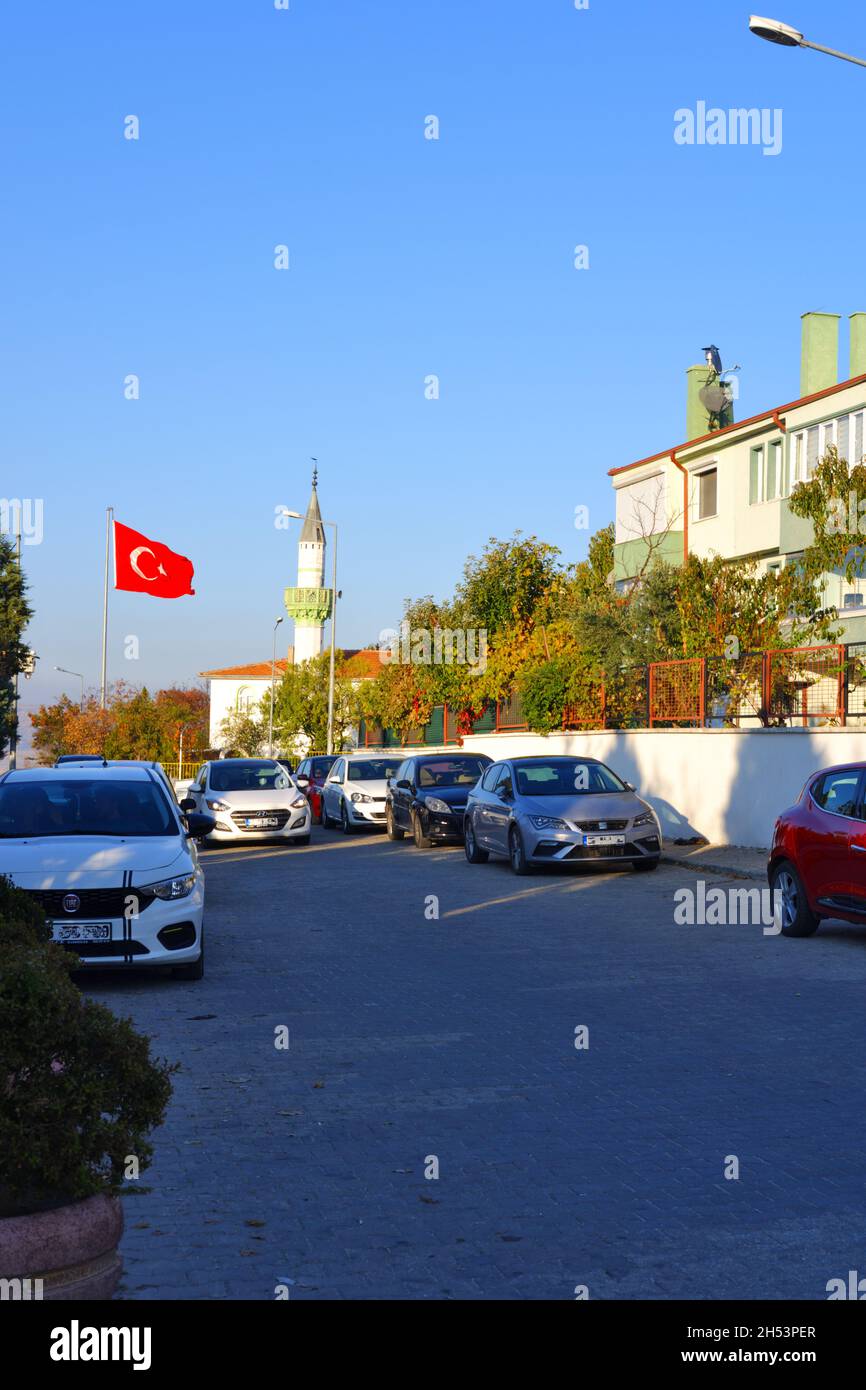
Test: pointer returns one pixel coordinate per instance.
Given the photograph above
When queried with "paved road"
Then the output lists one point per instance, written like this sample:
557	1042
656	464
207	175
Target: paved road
454	1038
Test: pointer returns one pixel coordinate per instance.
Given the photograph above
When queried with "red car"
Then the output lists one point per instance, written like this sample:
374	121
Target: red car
817	860
310	777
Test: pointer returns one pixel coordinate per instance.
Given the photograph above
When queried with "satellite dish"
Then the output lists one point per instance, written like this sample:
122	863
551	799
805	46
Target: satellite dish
716	397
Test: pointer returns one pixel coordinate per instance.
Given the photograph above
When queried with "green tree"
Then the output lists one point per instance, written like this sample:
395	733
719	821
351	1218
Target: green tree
244	734
15	613
301	705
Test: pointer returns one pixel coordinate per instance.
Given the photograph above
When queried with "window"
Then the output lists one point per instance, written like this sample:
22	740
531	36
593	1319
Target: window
243	699
337	771
488	781
774	481
707	493
756	475
844	433
837	792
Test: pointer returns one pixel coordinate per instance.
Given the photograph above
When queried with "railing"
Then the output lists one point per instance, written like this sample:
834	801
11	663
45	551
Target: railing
789	687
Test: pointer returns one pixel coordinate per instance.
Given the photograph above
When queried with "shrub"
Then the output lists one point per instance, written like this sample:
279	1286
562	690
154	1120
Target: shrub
79	1091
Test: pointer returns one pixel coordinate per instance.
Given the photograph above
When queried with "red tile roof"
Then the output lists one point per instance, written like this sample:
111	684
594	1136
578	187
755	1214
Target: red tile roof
739	424
359	664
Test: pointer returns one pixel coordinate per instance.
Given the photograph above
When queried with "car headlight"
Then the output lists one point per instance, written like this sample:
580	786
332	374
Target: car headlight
298	802
549	823
645	818
219	805
433	803
361	796
170	888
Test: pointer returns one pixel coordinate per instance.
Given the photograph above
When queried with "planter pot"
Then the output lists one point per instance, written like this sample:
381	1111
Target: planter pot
72	1249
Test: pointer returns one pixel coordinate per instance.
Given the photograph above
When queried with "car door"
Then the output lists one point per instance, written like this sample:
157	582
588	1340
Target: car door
331	789
481	799
198	790
499	810
403	793
857	850
825	850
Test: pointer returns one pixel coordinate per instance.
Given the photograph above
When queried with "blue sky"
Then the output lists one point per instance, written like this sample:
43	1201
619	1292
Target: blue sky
409	257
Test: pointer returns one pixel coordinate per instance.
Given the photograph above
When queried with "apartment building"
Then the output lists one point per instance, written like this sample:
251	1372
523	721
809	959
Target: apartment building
725	491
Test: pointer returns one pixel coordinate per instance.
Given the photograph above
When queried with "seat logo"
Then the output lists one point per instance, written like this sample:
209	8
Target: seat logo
71	902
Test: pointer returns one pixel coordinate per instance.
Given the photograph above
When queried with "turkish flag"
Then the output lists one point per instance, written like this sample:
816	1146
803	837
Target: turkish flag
149	567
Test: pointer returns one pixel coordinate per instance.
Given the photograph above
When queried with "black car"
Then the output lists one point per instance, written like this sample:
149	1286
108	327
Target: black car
427	796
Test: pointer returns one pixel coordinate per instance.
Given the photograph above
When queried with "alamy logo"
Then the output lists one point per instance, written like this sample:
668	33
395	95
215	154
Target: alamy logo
21	1290
855	1287
737	126
728	907
418	646
22	516
77	1343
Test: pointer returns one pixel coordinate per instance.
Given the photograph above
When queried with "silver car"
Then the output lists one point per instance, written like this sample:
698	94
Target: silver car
555	810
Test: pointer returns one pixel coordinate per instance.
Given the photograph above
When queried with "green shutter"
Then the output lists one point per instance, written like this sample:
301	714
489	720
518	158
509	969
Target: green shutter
754	475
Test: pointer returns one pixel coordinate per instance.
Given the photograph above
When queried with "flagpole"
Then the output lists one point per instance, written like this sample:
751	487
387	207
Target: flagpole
109	512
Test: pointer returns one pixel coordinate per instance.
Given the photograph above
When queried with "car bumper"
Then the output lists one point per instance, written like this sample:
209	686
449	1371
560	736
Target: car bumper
367	813
163	933
562	847
228	831
439	826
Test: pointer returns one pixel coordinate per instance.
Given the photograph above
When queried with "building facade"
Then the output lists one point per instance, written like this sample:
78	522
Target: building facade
726	491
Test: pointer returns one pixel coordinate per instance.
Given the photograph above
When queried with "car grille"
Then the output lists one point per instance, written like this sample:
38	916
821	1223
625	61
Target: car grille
95	902
88	950
280	816
590	825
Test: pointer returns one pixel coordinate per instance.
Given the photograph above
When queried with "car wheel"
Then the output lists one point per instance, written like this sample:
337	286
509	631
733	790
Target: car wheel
798	919
516	853
474	853
391	830
344	820
195	971
422	841
643	866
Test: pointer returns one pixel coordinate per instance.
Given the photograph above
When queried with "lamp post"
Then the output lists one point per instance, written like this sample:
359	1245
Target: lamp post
774	31
298	517
273	677
80	677
183	729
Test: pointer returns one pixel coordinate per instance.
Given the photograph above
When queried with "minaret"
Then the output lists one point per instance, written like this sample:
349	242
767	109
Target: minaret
309	604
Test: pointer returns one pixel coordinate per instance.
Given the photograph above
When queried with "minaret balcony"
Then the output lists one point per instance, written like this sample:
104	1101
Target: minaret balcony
308	605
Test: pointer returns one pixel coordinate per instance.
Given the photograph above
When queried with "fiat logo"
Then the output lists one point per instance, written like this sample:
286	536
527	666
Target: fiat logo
71	902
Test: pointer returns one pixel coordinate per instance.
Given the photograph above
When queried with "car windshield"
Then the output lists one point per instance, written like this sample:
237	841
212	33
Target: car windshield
320	767
247	777
96	806
373	769
565	777
453	772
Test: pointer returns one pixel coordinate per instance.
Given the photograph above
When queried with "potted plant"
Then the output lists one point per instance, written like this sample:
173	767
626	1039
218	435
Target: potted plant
79	1094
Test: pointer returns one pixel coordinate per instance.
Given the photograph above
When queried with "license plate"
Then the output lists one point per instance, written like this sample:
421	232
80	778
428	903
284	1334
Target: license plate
262	823
604	839
81	931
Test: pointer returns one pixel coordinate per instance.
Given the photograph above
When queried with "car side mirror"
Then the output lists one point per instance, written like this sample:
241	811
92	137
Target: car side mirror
629	786
302	782
198	825
188	804
406	786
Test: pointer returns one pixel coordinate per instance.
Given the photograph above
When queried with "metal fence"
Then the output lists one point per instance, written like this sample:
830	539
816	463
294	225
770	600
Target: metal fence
806	687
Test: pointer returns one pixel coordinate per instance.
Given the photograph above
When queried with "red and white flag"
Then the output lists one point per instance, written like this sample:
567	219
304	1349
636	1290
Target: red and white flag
149	567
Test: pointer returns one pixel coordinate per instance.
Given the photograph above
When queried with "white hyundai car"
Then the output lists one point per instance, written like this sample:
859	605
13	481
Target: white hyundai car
355	789
250	799
112	862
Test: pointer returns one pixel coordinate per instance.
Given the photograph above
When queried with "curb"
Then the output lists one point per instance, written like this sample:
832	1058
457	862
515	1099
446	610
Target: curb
727	869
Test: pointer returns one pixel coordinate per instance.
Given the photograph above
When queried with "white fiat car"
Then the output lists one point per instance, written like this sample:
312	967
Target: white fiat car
111	861
355	789
250	799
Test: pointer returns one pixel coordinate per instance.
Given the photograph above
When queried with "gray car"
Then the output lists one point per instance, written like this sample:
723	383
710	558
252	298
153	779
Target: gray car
555	810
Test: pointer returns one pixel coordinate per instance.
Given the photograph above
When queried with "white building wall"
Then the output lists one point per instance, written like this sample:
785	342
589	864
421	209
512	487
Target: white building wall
728	785
224	700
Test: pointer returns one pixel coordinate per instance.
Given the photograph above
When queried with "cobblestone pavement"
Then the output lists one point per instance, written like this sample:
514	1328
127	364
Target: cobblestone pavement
454	1038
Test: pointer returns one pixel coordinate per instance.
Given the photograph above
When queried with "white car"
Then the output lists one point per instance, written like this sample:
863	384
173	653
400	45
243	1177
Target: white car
112	862
250	799
355	789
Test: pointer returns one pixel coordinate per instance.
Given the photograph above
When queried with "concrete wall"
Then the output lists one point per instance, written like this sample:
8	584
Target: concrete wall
725	784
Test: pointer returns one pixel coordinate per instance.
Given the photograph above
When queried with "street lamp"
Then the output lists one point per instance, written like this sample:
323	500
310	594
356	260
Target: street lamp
273	676
80	677
298	517
774	31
